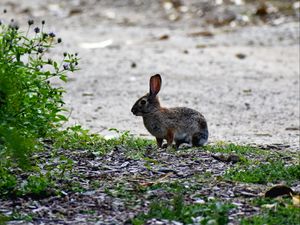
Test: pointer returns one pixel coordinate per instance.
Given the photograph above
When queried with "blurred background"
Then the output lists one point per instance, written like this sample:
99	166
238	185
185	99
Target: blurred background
161	12
236	61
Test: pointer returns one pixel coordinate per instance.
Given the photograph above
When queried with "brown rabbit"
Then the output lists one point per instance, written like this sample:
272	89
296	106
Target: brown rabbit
183	125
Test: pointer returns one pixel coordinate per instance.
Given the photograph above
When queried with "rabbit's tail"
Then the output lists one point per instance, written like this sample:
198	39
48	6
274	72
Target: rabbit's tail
200	138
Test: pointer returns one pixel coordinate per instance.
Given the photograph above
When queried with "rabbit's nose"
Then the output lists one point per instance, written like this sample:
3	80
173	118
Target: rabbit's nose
134	111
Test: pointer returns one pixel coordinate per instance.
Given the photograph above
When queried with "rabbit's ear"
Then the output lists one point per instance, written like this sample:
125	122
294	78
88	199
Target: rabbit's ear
155	84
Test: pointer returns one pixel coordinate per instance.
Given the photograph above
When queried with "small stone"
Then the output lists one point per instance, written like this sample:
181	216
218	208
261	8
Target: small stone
133	65
240	56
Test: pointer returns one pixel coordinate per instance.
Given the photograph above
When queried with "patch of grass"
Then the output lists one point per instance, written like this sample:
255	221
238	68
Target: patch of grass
76	187
178	210
174	187
3	219
36	186
95	184
139	148
264	172
182	186
8	181
252	155
90	212
21	216
122	190
59	167
136	147
233	148
279	213
56	173
76	137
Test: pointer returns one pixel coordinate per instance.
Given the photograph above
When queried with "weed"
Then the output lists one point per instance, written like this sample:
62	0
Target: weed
170	187
3	219
232	148
7	181
77	187
136	146
21	216
76	137
95	184
178	210
280	213
36	186
90	212
30	107
262	173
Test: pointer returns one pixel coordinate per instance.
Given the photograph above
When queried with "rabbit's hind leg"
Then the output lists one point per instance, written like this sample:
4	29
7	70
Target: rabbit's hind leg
181	138
179	142
200	138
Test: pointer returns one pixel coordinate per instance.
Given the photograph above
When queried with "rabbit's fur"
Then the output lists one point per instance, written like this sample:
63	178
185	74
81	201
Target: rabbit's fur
180	124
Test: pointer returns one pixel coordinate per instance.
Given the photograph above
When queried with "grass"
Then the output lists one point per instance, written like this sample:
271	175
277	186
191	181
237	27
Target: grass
177	210
7	181
265	172
58	176
282	215
78	138
274	211
247	153
233	148
60	167
259	166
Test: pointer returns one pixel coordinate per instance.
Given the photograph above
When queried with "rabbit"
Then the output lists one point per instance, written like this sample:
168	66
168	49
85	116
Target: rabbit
180	124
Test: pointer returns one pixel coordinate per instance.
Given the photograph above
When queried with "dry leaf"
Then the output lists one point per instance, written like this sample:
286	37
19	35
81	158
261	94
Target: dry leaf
201	33
296	200
164	37
75	11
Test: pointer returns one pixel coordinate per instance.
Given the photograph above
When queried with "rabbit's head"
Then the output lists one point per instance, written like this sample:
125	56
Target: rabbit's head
149	103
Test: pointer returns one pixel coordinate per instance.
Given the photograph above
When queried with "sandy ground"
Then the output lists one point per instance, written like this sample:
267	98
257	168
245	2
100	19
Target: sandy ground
249	100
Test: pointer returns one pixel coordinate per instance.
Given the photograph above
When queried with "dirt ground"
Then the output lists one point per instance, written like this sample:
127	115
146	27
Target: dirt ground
244	79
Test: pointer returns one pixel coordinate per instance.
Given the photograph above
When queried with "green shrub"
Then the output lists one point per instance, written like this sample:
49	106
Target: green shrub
30	107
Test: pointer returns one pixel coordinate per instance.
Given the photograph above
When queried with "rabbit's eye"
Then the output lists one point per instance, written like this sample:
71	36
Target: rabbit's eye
143	102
